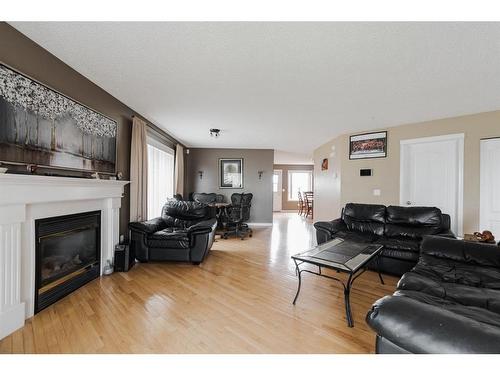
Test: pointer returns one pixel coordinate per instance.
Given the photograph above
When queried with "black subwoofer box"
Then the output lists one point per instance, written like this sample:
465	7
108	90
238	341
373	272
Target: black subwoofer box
124	259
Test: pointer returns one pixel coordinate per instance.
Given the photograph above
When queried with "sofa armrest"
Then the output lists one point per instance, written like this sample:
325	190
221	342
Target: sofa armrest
331	227
202	227
423	328
326	229
447	233
148	227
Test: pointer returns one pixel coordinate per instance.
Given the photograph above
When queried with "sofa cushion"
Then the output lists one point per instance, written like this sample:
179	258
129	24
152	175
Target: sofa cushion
400	243
356	236
367	218
400	254
412	222
484	298
169	238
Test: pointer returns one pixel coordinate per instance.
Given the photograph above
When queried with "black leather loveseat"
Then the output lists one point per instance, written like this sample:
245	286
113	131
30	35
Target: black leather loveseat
448	303
184	232
398	229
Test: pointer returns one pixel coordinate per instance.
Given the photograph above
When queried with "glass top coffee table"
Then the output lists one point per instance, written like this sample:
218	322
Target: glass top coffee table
343	256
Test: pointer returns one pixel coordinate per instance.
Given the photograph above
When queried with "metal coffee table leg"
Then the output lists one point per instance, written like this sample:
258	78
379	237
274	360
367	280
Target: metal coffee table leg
298	272
347	301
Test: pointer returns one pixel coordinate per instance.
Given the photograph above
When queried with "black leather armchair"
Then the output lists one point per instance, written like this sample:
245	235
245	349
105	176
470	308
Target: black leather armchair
398	229
184	232
448	303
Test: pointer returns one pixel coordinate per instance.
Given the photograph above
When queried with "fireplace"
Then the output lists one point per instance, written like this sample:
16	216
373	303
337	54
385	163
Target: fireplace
67	255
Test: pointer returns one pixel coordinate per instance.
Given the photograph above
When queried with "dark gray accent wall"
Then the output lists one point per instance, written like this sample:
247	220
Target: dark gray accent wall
207	160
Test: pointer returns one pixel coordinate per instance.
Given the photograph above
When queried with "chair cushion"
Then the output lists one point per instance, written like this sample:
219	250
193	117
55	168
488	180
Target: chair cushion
206	198
169	238
367	218
183	214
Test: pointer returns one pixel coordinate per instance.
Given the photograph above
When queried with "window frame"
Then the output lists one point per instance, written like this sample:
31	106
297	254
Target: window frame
289	187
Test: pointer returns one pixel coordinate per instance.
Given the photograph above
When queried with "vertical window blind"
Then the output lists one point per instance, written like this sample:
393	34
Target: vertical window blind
160	176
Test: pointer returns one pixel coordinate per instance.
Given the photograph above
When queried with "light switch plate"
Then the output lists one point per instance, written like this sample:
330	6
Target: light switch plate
377	192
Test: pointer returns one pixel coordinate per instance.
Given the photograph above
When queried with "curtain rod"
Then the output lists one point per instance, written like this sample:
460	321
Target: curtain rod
159	131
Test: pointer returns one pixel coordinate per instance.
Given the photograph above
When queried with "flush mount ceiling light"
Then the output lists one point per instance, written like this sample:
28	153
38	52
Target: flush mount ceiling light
215	133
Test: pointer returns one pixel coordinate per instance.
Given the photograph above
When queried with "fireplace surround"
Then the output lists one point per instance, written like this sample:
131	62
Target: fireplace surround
24	199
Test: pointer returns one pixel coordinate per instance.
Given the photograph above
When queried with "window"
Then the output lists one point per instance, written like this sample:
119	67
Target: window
298	181
160	176
275	183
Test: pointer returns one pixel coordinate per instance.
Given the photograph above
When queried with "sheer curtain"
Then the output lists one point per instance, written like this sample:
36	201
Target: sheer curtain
160	176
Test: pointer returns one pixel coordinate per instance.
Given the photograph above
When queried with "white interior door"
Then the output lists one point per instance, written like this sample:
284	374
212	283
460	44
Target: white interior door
432	175
490	186
277	189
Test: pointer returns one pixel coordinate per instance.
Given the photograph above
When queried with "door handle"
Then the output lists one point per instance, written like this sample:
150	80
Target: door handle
408	203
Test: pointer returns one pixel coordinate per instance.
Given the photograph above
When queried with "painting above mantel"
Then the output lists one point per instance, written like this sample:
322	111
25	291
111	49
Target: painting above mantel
41	126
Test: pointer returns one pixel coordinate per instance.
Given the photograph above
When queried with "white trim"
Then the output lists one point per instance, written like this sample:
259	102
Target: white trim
459	138
260	224
280	189
438	138
159	145
292	171
483	191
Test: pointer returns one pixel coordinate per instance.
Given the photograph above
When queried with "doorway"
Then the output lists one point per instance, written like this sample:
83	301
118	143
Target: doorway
277	190
490	186
431	174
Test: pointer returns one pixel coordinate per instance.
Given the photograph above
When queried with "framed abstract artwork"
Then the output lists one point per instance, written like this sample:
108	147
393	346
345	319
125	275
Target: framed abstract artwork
231	173
368	146
44	127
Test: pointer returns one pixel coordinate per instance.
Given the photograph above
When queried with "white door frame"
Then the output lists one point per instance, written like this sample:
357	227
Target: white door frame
459	139
482	183
280	189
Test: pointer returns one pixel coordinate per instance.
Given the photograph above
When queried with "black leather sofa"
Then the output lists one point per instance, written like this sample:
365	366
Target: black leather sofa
399	229
184	232
448	303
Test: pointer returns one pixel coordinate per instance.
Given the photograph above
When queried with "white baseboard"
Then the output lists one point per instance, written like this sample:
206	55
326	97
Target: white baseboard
260	224
11	320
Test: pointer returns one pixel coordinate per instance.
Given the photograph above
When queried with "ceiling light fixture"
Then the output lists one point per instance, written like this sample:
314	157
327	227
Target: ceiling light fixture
215	133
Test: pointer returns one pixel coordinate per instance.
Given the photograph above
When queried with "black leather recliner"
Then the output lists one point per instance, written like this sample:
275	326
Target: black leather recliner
184	232
448	303
399	229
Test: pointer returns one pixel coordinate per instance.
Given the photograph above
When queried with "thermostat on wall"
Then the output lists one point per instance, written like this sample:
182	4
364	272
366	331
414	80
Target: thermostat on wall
365	172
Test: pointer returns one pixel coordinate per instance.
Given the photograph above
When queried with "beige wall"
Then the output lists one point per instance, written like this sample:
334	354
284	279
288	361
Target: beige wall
332	193
285	203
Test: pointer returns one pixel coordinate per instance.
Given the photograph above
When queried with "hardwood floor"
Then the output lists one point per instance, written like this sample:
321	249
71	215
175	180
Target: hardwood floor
238	301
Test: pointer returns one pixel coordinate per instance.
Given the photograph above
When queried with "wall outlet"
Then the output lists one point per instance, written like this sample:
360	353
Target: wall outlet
377	192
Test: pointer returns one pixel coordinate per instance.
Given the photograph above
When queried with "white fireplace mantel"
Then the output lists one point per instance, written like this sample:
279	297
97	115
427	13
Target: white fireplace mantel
26	198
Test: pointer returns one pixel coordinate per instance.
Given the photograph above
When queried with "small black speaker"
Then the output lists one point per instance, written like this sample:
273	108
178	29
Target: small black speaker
124	259
365	172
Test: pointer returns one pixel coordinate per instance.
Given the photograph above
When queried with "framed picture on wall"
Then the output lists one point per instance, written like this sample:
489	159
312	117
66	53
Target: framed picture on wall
368	146
231	173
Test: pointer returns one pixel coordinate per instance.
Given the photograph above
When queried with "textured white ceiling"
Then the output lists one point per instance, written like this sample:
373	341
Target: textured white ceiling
286	86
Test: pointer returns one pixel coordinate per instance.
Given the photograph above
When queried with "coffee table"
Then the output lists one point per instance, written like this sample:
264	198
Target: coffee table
342	256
